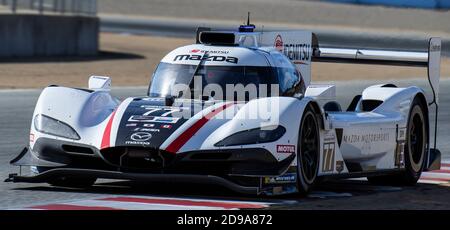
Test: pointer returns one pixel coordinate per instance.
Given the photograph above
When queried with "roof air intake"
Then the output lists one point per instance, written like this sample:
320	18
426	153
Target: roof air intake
217	38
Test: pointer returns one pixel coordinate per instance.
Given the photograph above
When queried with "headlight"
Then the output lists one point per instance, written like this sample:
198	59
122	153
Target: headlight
253	136
48	125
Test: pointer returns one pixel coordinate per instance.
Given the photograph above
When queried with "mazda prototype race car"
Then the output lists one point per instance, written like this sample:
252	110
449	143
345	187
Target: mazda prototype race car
237	110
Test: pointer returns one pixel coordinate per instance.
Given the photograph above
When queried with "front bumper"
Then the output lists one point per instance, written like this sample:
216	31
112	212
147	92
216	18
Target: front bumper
243	170
254	162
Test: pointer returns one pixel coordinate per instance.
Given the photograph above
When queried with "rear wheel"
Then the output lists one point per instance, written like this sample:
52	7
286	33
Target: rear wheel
67	181
415	150
308	152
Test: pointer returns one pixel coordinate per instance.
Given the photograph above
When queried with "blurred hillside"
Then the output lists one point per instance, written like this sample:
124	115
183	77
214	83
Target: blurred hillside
300	12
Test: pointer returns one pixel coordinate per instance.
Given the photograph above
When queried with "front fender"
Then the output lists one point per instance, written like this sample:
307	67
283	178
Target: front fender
83	110
264	112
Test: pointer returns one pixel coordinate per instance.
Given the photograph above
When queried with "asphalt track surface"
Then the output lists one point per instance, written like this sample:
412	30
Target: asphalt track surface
15	116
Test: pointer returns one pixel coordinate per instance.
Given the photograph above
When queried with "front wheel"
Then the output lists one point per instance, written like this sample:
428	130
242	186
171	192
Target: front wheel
308	152
415	149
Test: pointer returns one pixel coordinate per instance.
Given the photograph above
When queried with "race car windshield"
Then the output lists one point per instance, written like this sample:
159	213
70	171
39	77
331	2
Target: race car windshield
168	75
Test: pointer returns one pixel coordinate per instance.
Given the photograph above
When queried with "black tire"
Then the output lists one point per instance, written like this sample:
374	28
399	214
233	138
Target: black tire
415	149
69	181
308	152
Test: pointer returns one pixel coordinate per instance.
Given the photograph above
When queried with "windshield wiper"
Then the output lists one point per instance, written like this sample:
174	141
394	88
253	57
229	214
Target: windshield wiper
197	67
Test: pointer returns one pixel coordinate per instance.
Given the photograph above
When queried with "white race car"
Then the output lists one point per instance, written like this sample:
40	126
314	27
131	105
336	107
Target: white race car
198	136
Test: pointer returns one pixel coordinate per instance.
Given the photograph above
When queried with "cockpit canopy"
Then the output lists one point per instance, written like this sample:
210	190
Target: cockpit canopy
225	73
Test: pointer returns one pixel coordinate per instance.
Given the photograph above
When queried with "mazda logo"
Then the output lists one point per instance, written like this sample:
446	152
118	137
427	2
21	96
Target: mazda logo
141	136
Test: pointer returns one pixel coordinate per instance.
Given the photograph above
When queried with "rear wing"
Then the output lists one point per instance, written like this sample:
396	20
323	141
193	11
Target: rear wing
430	60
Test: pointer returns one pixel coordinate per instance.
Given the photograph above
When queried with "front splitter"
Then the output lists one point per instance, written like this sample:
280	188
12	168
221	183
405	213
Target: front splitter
172	178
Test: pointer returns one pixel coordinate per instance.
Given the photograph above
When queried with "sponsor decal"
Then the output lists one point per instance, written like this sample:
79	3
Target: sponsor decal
157	119
213	58
329	136
146	130
195	51
401	134
294	52
372	137
284	179
277	190
435	48
141	136
137	143
163	109
298	51
339	166
328	157
285	148
400	154
171	120
147	117
150	130
278	43
166	126
156	111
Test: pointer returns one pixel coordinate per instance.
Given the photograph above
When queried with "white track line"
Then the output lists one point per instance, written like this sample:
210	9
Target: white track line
168	203
425	181
138	206
436	175
441	176
151	203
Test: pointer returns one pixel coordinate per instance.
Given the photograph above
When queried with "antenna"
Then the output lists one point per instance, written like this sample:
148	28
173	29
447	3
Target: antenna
249	27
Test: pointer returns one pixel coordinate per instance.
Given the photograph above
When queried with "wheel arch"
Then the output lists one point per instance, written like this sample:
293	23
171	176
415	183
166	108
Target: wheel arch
319	114
304	186
423	101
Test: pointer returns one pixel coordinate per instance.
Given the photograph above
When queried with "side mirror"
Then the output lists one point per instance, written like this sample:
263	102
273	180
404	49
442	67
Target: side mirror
100	83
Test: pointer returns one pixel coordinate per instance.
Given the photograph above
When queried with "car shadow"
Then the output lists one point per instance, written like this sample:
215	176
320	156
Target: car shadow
338	189
130	188
326	196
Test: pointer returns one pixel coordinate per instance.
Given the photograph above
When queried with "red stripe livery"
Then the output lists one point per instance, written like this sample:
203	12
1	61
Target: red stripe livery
107	134
191	131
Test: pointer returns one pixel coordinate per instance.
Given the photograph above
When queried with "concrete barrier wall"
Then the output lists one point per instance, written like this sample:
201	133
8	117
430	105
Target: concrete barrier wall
48	35
427	4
